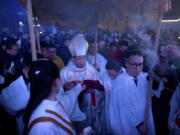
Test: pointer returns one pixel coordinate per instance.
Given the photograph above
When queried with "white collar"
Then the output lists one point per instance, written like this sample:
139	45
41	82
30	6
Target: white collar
131	77
75	68
47	101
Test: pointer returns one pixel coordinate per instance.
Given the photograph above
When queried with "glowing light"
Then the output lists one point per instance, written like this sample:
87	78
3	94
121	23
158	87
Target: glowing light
40	32
179	37
21	23
176	20
38	25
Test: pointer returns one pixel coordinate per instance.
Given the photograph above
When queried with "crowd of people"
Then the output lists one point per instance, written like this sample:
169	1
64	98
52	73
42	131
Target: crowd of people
80	86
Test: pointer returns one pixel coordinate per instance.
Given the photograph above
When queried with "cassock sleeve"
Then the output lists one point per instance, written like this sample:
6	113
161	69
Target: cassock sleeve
45	128
15	97
62	74
69	101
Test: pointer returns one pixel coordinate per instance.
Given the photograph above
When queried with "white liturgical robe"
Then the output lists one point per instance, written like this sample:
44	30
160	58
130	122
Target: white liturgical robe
87	112
127	108
72	73
107	83
14	99
69	101
99	60
49	118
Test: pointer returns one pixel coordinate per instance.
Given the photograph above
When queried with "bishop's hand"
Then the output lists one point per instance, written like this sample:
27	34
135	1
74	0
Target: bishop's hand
69	85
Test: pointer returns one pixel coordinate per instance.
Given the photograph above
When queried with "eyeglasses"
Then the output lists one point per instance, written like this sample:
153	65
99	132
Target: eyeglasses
136	64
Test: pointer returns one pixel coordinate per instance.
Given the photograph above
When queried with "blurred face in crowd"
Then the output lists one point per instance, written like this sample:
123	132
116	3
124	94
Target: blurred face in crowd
25	36
79	61
113	73
134	65
162	69
44	52
13	51
123	48
105	36
52	52
102	44
113	48
116	40
92	49
47	38
3	47
163	59
66	43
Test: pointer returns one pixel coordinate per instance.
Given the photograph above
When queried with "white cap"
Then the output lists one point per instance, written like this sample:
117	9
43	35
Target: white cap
78	45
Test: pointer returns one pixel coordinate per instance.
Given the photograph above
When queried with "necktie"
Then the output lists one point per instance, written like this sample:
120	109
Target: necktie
135	80
93	98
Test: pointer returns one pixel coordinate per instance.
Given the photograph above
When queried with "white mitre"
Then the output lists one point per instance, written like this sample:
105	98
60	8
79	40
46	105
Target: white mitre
78	45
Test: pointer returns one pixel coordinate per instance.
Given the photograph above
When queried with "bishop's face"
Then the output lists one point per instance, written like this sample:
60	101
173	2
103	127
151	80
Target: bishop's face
79	61
134	65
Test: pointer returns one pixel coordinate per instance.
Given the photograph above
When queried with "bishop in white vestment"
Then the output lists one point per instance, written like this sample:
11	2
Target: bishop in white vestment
78	69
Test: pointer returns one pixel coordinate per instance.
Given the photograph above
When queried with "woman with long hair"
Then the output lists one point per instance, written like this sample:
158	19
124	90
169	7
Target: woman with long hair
45	115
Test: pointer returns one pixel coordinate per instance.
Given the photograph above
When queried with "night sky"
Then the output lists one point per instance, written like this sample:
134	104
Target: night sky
11	12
